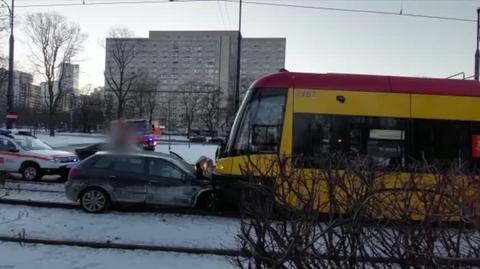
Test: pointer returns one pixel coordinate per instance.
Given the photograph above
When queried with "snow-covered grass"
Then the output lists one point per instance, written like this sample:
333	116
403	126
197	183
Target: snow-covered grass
120	227
25	195
46	132
15	256
189	151
64	140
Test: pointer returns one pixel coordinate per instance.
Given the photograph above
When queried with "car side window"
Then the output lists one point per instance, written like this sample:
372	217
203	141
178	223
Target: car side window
125	164
160	168
6	145
104	162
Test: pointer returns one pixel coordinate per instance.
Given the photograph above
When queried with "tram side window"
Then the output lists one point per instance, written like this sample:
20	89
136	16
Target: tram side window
316	136
381	139
311	134
386	141
442	142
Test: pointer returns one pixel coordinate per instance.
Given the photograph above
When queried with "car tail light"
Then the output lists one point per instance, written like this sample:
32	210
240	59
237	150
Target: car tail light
73	172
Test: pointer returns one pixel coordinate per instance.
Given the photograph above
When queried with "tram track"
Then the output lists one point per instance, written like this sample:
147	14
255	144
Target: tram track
127	208
22	239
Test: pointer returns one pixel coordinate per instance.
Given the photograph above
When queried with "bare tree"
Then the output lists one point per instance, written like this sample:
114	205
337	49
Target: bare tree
88	109
151	105
210	110
90	113
119	73
227	114
143	95
190	101
373	217
108	110
54	42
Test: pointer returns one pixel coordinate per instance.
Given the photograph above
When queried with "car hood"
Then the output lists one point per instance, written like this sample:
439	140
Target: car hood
56	153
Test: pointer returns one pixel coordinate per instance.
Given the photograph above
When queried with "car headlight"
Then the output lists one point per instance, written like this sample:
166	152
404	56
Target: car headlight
55	159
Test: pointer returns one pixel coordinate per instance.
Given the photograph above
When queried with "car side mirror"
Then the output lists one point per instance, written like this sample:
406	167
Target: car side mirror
13	150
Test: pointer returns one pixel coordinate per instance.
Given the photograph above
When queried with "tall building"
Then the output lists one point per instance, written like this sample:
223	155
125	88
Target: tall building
22	88
176	58
68	74
71	73
36	98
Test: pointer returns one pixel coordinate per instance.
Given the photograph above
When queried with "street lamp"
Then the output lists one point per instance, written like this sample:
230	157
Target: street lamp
477	51
11	10
239	52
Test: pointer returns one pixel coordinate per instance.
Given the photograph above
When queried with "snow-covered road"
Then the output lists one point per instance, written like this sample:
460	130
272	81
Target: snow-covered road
14	256
120	227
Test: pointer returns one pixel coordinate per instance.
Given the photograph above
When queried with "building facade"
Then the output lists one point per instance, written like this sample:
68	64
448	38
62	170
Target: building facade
24	93
71	74
68	74
174	60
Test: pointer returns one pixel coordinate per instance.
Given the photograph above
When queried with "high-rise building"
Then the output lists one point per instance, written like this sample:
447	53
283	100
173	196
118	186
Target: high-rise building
22	88
70	73
174	59
36	98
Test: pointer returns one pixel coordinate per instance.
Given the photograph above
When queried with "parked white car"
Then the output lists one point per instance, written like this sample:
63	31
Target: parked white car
28	155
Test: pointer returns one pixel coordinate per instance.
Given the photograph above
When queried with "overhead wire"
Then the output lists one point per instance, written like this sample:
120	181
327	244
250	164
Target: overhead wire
253	2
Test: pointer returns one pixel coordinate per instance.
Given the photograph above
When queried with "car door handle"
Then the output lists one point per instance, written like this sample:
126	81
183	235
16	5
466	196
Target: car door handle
112	177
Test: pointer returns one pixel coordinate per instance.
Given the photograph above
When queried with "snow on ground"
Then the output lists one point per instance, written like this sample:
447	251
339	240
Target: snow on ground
65	140
120	227
191	152
40	186
23	195
39	256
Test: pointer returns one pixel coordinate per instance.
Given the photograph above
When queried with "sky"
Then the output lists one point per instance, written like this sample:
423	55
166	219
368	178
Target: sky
317	40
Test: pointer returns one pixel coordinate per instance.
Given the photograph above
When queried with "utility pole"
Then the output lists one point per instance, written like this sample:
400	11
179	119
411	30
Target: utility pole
72	108
239	53
477	52
11	10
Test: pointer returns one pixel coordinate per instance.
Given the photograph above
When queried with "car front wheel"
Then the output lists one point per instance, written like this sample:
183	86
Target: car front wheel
94	200
209	202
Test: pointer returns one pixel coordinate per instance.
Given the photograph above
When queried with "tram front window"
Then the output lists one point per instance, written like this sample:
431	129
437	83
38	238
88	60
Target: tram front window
260	127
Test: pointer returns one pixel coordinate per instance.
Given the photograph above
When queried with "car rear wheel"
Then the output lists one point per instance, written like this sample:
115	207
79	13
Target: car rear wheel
94	200
31	171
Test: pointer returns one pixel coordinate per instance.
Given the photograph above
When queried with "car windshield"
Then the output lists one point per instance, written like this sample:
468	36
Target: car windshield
181	162
30	143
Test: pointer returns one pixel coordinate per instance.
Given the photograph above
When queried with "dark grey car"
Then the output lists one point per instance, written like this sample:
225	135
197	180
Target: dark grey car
136	177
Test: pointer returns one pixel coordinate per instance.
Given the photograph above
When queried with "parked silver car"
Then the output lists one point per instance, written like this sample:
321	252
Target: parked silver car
137	177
